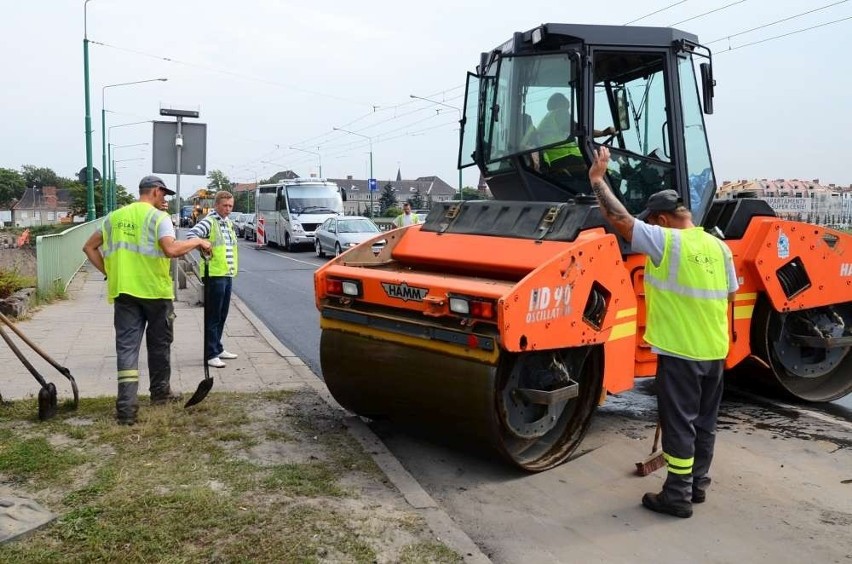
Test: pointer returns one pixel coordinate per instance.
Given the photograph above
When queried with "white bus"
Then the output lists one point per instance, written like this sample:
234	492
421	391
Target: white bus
292	210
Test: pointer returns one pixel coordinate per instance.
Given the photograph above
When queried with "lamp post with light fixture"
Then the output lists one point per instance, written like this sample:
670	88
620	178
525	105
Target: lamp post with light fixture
107	207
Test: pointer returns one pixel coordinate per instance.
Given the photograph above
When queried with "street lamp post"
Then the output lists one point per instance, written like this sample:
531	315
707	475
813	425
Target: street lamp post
111	191
109	155
312	153
103	133
460	125
90	183
370	139
123	161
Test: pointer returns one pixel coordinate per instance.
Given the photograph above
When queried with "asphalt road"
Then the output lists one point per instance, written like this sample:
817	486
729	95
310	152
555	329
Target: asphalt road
782	473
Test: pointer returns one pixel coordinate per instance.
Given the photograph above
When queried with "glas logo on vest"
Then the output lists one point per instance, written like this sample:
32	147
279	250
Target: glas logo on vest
405	292
126	227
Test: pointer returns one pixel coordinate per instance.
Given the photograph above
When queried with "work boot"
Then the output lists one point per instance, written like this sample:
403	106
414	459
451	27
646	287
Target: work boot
699	489
169	397
127	404
660	503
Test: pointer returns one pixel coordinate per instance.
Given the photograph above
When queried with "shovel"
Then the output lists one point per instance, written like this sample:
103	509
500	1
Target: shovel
205	385
47	401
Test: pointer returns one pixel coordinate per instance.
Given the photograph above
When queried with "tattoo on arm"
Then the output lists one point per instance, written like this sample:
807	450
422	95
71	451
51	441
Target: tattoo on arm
611	207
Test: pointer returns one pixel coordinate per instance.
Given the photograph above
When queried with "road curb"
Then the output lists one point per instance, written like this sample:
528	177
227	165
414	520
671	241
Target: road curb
441	524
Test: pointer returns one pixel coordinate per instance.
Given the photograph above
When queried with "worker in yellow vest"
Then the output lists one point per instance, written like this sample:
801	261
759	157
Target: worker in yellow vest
132	249
224	265
407	217
690	279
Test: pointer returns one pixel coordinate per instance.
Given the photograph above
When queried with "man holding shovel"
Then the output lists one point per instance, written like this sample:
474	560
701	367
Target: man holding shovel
689	280
133	249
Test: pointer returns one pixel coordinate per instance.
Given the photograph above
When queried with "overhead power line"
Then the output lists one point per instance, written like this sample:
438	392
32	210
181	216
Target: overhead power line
656	12
793	17
785	35
707	13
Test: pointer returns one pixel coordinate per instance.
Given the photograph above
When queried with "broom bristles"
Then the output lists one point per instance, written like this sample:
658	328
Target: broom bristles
652	463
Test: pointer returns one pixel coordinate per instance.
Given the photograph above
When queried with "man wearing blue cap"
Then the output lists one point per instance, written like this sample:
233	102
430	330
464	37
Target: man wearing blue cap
133	249
689	279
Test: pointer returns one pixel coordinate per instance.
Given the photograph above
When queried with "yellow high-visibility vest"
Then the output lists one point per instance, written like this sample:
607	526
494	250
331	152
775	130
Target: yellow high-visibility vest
687	296
133	259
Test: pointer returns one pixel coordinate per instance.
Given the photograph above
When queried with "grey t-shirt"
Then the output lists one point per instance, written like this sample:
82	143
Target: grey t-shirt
650	240
166	229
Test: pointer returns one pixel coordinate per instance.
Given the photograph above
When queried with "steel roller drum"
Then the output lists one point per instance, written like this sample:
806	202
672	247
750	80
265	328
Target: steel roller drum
467	400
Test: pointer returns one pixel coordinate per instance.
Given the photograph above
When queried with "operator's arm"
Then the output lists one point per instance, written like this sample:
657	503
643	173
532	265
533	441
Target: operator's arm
611	208
92	249
174	248
606	132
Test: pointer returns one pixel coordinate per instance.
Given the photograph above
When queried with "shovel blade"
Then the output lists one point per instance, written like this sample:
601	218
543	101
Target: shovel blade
47	402
203	389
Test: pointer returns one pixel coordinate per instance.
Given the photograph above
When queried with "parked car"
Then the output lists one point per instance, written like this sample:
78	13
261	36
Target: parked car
240	222
234	217
248	229
337	234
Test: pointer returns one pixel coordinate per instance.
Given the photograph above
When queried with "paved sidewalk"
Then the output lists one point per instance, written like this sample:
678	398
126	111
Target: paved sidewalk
78	333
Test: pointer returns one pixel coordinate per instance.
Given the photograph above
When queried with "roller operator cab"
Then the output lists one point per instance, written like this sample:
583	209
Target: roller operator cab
508	321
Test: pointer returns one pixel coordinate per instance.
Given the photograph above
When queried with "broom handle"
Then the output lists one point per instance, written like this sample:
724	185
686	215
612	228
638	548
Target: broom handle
656	437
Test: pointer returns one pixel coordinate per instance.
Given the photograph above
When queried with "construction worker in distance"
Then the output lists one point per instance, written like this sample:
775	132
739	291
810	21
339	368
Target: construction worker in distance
406	217
132	249
690	279
224	265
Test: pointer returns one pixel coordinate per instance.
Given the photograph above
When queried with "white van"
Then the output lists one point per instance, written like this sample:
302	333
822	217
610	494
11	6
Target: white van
293	209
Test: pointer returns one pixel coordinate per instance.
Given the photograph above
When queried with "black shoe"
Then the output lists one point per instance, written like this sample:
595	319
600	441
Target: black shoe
126	420
660	504
699	496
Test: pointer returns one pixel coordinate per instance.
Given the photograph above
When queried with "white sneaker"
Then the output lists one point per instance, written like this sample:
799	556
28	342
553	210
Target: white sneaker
227	355
215	362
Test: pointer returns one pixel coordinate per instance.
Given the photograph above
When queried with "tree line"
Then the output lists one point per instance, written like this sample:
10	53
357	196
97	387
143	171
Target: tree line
14	183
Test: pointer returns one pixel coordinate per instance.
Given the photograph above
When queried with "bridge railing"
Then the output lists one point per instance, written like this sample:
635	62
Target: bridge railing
60	256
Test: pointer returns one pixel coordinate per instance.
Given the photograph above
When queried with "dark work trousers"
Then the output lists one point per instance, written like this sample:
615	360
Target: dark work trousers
155	318
688	396
218	302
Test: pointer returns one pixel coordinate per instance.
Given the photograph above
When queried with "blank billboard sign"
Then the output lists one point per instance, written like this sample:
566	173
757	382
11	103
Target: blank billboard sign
193	156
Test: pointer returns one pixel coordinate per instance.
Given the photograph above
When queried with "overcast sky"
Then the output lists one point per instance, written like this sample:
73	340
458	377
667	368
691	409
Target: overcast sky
270	74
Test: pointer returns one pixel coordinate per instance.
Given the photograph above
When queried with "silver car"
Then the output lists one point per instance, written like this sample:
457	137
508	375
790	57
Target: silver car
337	234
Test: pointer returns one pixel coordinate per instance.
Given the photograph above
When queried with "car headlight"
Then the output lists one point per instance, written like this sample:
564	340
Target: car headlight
351	245
297	226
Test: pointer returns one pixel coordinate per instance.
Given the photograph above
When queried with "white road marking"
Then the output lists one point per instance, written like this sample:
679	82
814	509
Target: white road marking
288	258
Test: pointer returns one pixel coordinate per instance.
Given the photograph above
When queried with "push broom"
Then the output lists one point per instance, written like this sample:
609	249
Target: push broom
653	461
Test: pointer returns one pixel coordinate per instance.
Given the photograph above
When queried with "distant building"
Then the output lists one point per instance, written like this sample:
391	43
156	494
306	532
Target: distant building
799	200
431	189
47	205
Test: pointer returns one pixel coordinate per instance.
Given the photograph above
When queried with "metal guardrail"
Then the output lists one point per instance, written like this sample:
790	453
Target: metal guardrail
60	256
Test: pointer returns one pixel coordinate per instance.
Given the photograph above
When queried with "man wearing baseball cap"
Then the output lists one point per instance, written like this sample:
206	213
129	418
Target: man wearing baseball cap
132	249
689	280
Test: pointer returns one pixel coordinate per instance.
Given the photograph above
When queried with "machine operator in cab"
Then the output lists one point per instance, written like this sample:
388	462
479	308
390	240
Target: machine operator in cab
690	279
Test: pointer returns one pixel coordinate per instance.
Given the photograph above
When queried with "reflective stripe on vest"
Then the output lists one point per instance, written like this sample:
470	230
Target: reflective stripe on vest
219	258
568	149
133	259
687	296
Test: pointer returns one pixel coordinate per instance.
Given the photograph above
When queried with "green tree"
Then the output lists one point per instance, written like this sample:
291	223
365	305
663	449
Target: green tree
416	200
471	194
79	205
387	199
218	180
12	186
41	176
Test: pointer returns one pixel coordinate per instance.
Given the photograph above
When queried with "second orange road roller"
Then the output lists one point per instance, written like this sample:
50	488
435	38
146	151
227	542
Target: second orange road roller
508	321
